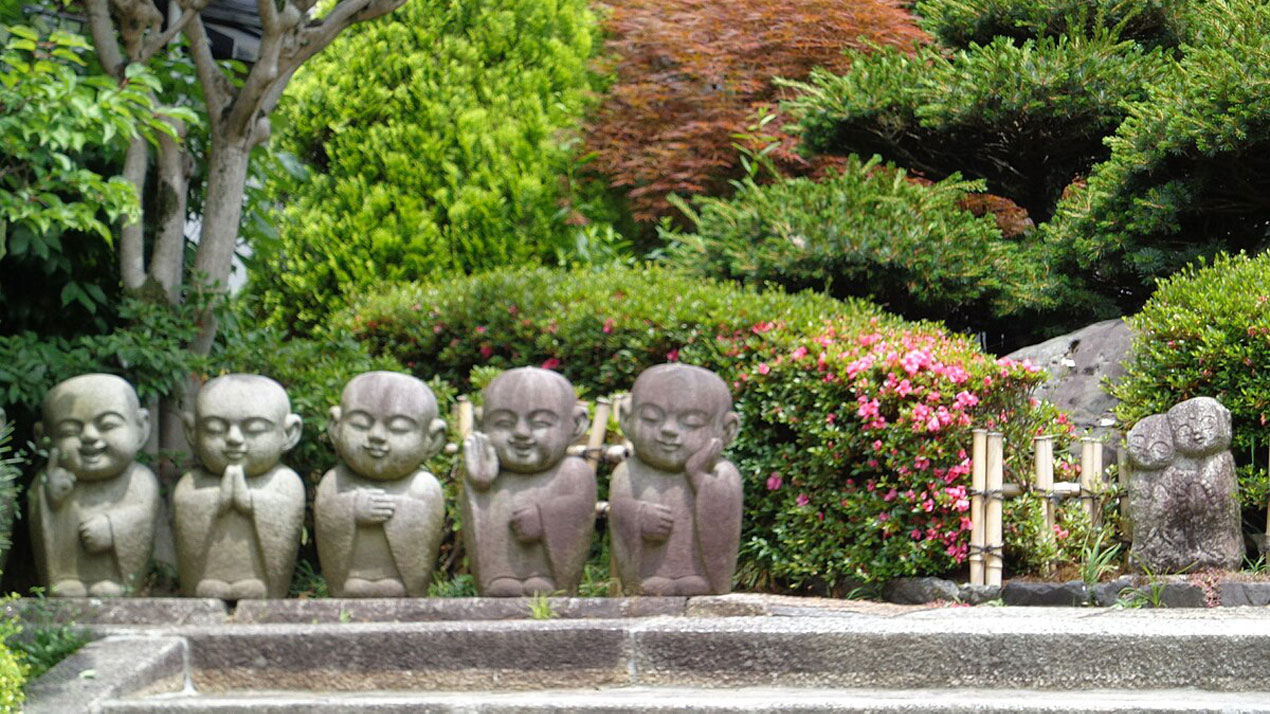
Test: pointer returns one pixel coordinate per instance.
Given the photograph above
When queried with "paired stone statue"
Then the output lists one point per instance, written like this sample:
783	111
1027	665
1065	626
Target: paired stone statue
528	505
1183	493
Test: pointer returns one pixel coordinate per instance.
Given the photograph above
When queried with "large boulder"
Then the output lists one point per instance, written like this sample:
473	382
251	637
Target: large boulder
1078	363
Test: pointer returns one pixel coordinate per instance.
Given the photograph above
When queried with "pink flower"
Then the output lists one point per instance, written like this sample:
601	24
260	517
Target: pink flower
884	517
608	325
890	495
831	418
673	355
799	353
965	399
480	329
486	351
550	363
763	368
774	481
802	500
877	445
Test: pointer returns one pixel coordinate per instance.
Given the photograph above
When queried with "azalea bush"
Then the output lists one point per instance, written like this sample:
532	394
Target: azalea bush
856	450
856	424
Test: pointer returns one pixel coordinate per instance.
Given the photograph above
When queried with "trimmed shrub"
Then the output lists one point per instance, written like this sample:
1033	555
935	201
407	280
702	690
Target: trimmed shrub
820	383
869	232
1188	167
1206	332
1028	118
690	75
438	139
958	23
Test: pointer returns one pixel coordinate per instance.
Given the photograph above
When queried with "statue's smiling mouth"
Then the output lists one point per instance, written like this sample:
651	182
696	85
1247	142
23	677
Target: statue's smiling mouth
377	452
92	453
235	454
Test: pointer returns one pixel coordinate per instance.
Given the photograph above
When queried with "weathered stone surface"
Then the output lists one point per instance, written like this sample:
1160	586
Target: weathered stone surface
1168	594
238	516
1237	594
329	610
379	514
675	519
918	591
174	611
978	594
1068	594
450	655
1183	494
528	507
1108	593
109	669
1078	363
93	509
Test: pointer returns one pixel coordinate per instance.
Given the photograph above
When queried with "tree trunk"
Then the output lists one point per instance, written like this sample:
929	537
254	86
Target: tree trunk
222	211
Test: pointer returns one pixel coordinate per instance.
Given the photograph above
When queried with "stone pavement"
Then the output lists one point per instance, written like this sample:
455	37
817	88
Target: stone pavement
710	654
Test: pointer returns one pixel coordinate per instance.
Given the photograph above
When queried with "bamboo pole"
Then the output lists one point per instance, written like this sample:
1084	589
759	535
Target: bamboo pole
467	418
1044	448
1091	477
978	471
599	430
992	521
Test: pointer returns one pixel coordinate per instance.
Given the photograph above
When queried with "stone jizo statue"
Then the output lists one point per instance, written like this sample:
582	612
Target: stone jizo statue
238	516
528	507
675	518
379	513
93	508
1183	494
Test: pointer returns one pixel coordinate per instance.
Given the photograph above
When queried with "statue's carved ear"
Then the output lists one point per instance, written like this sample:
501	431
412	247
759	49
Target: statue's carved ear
187	421
731	427
332	422
436	437
294	428
39	431
143	418
580	421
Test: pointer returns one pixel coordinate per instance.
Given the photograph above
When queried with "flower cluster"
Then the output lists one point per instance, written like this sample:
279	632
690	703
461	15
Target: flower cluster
863	429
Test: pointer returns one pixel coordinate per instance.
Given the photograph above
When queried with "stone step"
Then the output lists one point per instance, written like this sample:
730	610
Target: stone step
808	649
690	700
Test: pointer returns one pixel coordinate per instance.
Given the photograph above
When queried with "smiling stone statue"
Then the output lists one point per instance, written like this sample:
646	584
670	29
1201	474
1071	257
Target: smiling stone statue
528	508
676	504
379	513
93	509
238	517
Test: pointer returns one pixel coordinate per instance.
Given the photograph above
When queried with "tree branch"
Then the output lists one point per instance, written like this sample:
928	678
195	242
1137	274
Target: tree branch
102	28
131	237
217	91
314	38
166	261
161	40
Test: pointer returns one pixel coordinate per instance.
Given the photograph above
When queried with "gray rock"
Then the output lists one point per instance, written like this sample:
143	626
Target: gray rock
1069	594
978	594
918	591
1077	363
1108	593
1236	594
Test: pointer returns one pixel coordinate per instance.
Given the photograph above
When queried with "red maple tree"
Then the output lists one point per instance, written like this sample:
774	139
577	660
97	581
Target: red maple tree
691	74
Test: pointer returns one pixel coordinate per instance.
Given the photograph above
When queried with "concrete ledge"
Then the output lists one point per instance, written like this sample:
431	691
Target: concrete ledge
164	611
108	669
332	610
446	655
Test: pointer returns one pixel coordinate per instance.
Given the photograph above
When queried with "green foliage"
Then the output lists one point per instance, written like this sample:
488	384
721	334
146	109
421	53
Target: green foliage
1188	167
868	231
42	639
14	671
440	139
1026	117
60	120
958	23
1206	332
811	376
10	471
149	353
